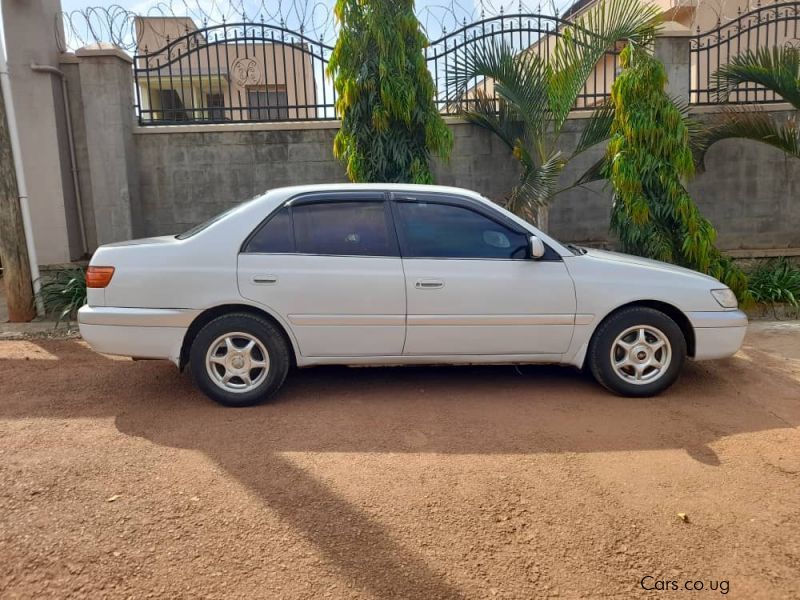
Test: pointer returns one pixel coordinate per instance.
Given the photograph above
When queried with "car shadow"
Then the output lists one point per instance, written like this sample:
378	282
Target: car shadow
440	410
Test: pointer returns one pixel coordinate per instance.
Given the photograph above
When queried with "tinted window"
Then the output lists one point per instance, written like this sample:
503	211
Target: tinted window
273	236
444	231
342	228
198	228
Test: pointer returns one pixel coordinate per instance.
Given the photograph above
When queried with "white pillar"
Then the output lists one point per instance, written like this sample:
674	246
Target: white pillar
22	188
672	49
30	34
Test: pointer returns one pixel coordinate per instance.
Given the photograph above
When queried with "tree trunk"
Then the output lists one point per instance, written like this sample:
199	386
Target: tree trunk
543	218
13	251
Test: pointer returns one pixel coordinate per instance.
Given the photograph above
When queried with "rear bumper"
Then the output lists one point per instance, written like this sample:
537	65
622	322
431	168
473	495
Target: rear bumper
717	334
136	332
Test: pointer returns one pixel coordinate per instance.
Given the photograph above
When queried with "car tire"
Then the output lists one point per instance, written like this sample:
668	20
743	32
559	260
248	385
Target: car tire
637	352
239	359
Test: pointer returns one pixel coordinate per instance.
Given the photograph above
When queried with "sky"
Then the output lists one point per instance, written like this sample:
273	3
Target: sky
93	18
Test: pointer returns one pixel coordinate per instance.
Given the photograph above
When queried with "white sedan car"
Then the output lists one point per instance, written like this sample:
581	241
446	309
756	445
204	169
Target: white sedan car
395	274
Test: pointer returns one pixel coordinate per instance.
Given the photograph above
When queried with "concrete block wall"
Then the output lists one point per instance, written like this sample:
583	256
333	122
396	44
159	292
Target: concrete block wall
188	174
187	177
749	191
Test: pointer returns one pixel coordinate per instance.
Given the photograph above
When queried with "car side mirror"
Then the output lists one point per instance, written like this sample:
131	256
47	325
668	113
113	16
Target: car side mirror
536	247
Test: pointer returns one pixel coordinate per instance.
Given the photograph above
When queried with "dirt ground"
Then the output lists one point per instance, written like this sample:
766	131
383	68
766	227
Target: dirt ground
119	480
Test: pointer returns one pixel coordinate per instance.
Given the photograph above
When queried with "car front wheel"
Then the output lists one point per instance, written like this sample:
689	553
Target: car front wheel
239	359
638	351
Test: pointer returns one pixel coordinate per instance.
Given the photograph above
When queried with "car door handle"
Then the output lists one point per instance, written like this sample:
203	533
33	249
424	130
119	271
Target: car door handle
429	284
264	279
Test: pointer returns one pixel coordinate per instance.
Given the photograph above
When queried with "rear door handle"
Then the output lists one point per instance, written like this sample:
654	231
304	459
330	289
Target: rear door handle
264	279
429	284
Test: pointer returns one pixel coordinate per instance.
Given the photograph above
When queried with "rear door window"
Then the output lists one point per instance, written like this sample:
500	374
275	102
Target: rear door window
273	236
344	228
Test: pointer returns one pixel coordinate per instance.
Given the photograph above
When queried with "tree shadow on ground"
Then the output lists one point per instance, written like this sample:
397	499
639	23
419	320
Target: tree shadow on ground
444	410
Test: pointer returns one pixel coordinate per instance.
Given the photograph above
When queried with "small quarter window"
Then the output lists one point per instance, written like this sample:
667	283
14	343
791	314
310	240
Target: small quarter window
274	236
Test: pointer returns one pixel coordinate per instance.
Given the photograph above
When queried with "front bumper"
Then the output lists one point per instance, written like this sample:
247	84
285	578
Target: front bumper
136	332
717	334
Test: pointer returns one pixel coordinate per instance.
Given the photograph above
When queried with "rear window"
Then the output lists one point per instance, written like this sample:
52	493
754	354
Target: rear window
206	224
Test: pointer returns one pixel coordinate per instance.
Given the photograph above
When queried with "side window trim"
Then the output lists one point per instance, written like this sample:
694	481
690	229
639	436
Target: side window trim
334	197
460	202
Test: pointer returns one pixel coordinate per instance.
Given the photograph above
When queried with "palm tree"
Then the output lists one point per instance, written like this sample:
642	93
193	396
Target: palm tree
776	69
534	95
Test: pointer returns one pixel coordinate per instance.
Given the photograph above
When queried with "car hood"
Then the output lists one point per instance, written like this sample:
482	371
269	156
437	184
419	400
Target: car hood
655	265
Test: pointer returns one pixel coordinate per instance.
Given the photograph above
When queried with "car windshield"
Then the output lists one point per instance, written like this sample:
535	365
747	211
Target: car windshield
205	224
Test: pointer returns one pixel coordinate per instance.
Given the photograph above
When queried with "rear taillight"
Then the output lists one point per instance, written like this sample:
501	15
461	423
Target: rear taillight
99	277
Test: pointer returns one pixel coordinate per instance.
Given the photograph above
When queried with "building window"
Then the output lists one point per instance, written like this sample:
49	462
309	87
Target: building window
216	107
268	103
172	108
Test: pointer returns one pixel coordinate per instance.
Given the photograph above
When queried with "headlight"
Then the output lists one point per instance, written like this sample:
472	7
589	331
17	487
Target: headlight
725	297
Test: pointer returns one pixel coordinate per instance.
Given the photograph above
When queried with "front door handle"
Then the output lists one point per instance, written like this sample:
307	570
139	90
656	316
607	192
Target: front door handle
429	284
264	279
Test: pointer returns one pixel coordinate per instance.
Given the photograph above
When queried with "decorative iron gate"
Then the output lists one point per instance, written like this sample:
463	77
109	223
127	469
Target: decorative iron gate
260	72
764	27
524	32
234	72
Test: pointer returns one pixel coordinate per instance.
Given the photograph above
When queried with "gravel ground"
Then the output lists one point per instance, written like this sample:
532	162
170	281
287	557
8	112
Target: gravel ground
119	480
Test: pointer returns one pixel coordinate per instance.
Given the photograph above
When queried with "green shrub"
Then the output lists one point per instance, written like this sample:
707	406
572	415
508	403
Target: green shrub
649	162
390	124
775	281
63	293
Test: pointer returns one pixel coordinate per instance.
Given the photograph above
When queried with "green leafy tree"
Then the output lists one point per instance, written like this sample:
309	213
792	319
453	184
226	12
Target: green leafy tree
390	125
535	95
648	161
776	69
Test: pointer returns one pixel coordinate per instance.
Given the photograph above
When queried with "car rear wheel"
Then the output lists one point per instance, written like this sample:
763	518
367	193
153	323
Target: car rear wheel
638	351
239	359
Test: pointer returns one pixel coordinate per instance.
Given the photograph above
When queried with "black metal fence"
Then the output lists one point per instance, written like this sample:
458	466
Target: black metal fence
260	72
765	26
533	33
232	72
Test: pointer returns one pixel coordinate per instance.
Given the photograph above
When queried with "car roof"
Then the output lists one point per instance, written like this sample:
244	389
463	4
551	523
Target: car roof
287	192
